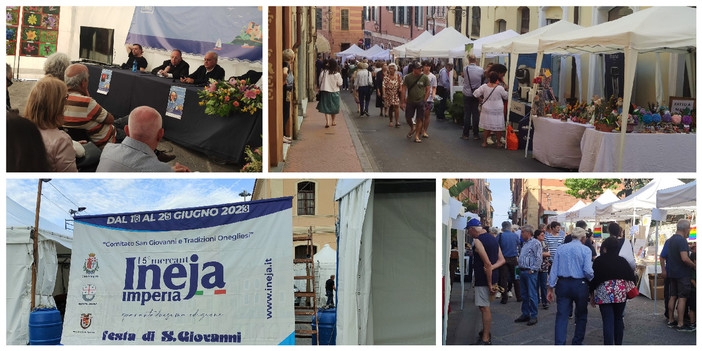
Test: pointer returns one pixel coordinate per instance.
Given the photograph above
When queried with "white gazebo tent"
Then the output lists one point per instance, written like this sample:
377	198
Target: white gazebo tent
478	44
563	217
590	211
374	50
387	262
641	202
633	34
353	50
455	217
52	241
528	43
382	55
672	200
401	51
325	266
440	45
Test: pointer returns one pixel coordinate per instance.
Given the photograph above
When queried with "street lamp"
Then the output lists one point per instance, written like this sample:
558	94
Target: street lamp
73	212
244	194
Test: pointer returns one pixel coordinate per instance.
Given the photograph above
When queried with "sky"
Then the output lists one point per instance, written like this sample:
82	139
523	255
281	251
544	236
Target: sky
105	196
501	200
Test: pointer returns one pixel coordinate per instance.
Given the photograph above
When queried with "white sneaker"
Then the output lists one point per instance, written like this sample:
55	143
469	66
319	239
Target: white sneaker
498	295
509	294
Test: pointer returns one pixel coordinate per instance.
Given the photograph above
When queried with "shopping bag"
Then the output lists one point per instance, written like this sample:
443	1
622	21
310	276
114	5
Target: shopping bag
512	140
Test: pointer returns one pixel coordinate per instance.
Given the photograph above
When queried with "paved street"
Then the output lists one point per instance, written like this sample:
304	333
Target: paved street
388	150
642	327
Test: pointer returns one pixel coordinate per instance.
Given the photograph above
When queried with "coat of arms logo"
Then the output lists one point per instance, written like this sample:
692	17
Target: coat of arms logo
88	292
91	264
85	320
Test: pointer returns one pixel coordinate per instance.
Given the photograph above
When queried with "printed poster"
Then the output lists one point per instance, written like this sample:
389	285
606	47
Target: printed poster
12	16
104	83
39	30
176	99
215	275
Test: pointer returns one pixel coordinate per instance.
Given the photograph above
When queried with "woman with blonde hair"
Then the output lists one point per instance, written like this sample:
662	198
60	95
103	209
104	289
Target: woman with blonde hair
45	108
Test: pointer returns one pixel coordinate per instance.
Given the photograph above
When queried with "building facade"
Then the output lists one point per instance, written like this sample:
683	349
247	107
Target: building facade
314	208
391	26
478	197
341	26
537	199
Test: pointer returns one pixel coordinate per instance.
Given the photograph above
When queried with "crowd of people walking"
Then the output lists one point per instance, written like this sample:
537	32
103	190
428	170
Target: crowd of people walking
545	266
417	89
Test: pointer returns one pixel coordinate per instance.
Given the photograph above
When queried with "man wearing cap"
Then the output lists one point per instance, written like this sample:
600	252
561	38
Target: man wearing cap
570	273
529	264
416	89
487	258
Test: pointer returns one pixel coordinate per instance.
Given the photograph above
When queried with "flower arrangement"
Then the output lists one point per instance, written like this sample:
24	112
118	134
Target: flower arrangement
255	160
224	98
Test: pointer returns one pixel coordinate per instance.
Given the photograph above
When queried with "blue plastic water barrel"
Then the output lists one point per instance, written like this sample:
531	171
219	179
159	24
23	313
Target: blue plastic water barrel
327	326
45	326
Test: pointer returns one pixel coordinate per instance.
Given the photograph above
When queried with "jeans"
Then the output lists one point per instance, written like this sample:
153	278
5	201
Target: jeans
364	94
543	279
613	322
507	277
530	296
471	115
330	298
569	291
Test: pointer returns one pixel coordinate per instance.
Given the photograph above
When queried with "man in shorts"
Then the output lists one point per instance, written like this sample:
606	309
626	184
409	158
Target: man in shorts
679	265
487	258
415	92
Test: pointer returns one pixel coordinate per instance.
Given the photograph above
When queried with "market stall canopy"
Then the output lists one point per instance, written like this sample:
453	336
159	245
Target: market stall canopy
638	31
683	196
640	202
440	45
478	44
401	51
20	217
383	55
564	216
353	50
590	211
322	45
528	43
374	50
632	34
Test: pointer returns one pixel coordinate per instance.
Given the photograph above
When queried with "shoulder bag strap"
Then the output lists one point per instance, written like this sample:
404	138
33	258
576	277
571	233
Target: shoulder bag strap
486	99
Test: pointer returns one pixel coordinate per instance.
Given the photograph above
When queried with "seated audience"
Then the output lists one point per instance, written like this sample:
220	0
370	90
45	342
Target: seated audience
136	152
209	70
83	112
56	64
25	148
45	108
135	53
173	68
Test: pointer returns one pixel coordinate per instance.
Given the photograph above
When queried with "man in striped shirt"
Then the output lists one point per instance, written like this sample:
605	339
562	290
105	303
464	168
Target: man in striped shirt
553	238
83	112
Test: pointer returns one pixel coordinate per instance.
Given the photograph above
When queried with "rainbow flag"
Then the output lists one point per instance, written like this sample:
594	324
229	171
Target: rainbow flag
693	233
597	232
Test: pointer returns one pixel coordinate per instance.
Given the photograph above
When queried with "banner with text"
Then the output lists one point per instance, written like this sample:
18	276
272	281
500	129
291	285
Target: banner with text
195	276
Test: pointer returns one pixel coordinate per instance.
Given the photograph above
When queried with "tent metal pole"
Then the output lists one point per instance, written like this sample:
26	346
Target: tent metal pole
35	248
655	275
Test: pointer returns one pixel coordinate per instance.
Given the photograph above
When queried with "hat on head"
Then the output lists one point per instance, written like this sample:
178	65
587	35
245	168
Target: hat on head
474	222
415	65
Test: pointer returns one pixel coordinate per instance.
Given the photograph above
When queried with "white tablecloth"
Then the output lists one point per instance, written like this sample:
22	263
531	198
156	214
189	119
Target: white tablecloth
643	152
644	287
557	143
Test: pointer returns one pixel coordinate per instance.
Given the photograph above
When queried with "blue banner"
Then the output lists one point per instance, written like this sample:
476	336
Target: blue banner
188	218
232	32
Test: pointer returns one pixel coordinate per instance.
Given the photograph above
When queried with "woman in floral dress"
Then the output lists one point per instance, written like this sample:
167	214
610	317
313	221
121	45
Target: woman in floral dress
612	281
391	97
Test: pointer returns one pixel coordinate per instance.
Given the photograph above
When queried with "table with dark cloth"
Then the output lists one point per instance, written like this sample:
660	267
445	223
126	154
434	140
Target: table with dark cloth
221	137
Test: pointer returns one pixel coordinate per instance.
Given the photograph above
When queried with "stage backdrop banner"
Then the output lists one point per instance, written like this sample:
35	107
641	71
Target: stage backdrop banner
232	32
196	276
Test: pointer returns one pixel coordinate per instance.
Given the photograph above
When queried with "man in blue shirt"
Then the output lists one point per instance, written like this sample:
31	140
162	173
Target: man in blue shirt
509	244
529	264
570	273
444	89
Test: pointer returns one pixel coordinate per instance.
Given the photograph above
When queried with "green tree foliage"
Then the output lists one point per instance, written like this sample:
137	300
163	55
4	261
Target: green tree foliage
460	187
589	189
